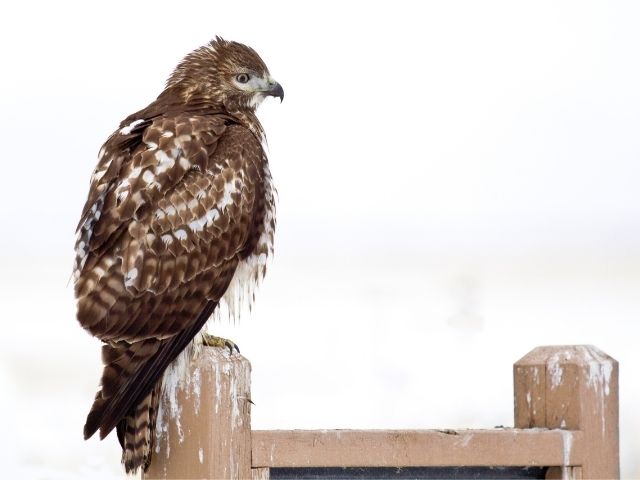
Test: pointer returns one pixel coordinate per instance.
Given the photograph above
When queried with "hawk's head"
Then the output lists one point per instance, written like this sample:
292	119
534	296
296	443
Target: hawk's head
226	73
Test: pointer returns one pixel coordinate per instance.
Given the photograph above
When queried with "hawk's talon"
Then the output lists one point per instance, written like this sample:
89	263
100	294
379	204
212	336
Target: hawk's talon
213	341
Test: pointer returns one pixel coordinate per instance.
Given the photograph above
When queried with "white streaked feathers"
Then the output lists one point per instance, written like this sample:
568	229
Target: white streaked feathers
213	214
135	173
180	234
127	130
229	188
131	276
240	294
84	235
167	239
199	223
98	174
250	272
165	162
184	163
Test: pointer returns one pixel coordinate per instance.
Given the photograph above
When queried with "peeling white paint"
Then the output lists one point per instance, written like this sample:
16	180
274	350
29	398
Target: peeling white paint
600	370
176	378
466	438
171	382
272	452
196	382
161	428
218	387
567	443
555	370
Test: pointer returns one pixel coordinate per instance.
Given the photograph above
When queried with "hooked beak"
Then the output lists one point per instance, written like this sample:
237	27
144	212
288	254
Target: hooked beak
276	91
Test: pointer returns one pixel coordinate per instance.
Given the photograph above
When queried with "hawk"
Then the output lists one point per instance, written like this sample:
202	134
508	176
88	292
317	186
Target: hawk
180	211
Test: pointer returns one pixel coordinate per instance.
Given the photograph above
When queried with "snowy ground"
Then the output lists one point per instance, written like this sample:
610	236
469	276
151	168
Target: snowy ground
338	343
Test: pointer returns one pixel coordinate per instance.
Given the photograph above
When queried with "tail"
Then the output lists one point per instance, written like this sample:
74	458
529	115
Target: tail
121	362
130	390
136	432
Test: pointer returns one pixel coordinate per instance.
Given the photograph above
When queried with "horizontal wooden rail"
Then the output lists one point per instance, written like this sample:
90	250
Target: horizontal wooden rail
416	448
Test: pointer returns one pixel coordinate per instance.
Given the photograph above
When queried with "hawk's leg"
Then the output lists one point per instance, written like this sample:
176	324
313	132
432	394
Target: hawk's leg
213	341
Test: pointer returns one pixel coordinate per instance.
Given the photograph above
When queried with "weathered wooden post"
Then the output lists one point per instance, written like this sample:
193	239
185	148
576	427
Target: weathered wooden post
204	422
572	388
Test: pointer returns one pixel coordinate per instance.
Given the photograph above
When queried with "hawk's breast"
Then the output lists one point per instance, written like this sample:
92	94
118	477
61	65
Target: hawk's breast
251	270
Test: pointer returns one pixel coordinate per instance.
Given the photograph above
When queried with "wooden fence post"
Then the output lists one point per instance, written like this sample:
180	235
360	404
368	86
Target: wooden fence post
204	422
572	388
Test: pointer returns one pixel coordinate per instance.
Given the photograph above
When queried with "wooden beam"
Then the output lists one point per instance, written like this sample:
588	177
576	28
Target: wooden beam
415	448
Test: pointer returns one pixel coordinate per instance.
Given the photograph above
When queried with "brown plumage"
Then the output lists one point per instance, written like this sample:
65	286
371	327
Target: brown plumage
180	206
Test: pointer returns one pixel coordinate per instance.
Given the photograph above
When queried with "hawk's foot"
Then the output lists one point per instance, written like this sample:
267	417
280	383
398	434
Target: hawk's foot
213	341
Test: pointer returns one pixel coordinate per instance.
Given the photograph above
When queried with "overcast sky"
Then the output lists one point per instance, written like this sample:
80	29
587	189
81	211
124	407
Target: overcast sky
492	119
460	174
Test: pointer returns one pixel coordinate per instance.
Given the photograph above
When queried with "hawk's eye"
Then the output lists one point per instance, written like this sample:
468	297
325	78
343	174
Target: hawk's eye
242	77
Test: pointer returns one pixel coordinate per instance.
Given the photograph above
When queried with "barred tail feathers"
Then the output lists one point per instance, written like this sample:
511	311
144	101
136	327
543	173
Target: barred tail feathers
136	432
121	362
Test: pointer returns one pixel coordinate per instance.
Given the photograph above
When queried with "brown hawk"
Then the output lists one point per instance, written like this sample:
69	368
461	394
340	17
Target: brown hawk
181	205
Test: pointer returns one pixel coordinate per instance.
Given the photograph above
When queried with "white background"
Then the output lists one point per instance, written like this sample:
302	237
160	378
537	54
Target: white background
458	184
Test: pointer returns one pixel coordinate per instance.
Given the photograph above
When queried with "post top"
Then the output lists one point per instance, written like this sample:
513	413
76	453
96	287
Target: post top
581	355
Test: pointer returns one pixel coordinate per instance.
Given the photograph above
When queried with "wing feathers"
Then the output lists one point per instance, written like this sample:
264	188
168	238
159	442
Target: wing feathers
143	379
197	226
